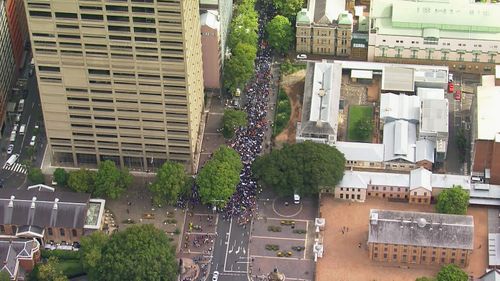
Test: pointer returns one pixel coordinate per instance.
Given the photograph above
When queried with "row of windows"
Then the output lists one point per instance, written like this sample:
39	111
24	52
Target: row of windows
414	258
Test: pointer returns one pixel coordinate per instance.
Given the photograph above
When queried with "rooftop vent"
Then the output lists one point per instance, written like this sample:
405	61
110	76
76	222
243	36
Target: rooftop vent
33	203
421	222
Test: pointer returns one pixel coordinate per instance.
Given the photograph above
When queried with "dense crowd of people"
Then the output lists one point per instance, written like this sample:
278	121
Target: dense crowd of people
248	140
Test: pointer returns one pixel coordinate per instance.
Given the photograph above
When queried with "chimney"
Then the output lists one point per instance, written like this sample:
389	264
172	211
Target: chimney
55	203
33	202
11	202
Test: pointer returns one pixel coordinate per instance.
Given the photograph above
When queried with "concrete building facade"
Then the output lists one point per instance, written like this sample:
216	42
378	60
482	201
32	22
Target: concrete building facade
420	238
211	50
119	81
460	34
7	63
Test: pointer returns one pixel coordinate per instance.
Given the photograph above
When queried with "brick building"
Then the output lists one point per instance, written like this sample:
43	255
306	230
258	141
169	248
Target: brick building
18	257
420	238
50	217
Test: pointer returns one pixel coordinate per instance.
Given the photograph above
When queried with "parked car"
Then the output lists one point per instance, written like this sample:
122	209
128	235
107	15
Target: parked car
451	87
301	56
215	276
296	199
458	95
15	127
10	148
450	77
33	139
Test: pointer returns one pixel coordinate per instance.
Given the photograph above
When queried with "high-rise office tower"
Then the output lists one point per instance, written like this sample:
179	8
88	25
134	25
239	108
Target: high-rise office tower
119	80
7	63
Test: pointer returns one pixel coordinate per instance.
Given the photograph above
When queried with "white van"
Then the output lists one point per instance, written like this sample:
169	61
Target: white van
12	159
296	199
13	136
22	129
20	107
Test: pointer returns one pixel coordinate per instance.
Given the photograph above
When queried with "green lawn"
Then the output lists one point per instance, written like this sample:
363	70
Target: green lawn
71	268
356	113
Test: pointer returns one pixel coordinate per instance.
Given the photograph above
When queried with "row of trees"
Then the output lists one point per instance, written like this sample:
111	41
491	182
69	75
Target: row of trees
231	120
141	252
242	42
109	181
448	272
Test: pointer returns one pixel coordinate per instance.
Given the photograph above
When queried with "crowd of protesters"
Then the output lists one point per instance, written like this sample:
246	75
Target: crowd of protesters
248	140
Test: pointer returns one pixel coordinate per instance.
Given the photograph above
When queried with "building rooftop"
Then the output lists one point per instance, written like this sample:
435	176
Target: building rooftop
430	93
438	18
420	178
421	229
399	140
434	116
396	107
358	151
321	11
396	78
43	209
425	150
320	107
210	19
494	274
13	249
488	99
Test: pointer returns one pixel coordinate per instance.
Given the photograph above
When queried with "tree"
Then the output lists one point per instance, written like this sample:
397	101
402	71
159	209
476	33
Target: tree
363	129
110	181
243	30
300	168
4	276
35	176
217	180
288	8
61	176
82	180
451	272
240	67
141	252
424	278
91	252
231	120
453	200
50	271
280	34
170	180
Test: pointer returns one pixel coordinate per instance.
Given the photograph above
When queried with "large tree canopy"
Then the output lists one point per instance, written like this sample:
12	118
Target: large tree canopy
453	200
451	272
91	252
280	34
110	181
231	120
300	168
141	252
61	176
82	180
170	181
240	67
217	180
288	8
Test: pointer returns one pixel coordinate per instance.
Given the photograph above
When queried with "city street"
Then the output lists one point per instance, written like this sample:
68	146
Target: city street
14	176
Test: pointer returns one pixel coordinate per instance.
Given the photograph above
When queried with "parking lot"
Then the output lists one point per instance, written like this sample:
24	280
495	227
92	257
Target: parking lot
282	238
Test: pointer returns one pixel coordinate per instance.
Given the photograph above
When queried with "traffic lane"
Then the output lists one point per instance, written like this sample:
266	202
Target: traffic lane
237	249
219	252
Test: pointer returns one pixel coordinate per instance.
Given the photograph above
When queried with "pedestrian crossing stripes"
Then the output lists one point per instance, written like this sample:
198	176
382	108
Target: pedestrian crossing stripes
16	167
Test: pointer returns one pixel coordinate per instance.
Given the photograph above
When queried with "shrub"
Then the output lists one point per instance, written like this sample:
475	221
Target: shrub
274	228
61	254
299	231
271	247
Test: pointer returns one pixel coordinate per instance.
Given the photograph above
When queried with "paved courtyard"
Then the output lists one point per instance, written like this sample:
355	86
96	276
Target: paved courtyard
347	226
289	249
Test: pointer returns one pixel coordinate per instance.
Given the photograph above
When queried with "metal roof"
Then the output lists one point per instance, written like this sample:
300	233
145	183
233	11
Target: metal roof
461	20
488	99
425	150
434	116
492	275
421	229
210	19
395	107
364	74
430	93
400	139
420	178
359	151
398	79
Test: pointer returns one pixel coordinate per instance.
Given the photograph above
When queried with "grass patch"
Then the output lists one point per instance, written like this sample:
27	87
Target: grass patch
283	112
358	113
287	67
71	268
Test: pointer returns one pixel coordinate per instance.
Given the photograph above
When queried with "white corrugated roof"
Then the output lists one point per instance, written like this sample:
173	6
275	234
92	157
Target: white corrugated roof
359	179
430	93
425	151
398	78
359	151
448	180
434	118
393	107
400	139
363	74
